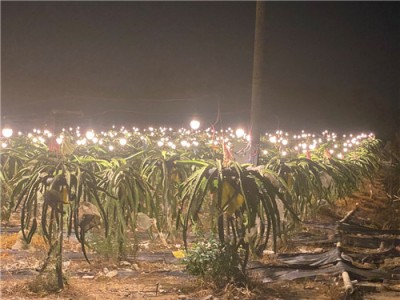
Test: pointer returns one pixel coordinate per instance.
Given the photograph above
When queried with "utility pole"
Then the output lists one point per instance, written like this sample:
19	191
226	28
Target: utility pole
257	82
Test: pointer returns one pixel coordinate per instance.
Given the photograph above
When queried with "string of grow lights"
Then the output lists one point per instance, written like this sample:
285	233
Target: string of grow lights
281	142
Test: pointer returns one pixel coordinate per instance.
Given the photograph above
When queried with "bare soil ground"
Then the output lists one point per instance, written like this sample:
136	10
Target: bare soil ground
155	274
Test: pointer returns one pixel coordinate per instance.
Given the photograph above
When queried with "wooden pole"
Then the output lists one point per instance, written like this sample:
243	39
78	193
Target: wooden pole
59	271
257	82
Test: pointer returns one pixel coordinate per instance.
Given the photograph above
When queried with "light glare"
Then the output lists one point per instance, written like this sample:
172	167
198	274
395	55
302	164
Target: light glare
90	134
195	124
7	132
122	141
239	132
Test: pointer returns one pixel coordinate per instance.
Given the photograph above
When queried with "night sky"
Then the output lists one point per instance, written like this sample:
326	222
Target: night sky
327	65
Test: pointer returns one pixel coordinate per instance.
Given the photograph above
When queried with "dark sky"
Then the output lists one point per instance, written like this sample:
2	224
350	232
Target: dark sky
330	64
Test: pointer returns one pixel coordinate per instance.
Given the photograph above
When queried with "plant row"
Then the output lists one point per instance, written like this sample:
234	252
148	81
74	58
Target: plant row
176	183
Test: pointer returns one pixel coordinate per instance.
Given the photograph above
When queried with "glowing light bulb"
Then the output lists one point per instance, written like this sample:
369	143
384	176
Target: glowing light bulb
239	132
90	134
122	141
272	139
7	132
284	142
195	124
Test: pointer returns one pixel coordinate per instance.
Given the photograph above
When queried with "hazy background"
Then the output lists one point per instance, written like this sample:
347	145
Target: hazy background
328	65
